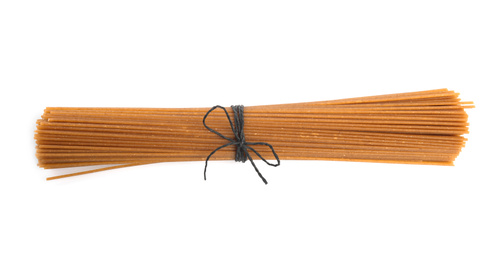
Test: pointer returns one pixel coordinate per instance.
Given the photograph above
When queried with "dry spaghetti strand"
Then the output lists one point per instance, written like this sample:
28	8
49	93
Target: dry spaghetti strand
424	127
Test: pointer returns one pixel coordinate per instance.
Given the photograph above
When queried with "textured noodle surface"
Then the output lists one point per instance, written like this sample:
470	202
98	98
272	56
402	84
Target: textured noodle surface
425	127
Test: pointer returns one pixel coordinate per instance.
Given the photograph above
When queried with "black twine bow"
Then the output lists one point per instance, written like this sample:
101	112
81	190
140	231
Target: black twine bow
241	154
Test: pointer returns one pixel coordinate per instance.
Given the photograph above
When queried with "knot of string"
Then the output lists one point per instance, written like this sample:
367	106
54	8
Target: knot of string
239	140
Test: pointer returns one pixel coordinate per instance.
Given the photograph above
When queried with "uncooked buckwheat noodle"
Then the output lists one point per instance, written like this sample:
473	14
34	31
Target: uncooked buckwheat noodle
423	127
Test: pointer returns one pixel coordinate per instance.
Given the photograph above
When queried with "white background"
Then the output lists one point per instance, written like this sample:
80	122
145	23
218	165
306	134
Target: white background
203	53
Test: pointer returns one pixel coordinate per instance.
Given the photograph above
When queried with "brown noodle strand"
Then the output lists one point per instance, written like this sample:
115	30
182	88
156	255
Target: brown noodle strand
424	127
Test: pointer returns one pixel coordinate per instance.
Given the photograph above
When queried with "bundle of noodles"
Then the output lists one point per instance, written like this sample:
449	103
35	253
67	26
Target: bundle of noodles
416	128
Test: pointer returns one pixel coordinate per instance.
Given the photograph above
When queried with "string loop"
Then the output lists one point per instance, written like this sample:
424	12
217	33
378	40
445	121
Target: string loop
241	153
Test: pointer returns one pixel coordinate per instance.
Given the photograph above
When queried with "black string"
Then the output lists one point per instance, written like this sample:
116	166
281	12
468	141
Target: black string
241	154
